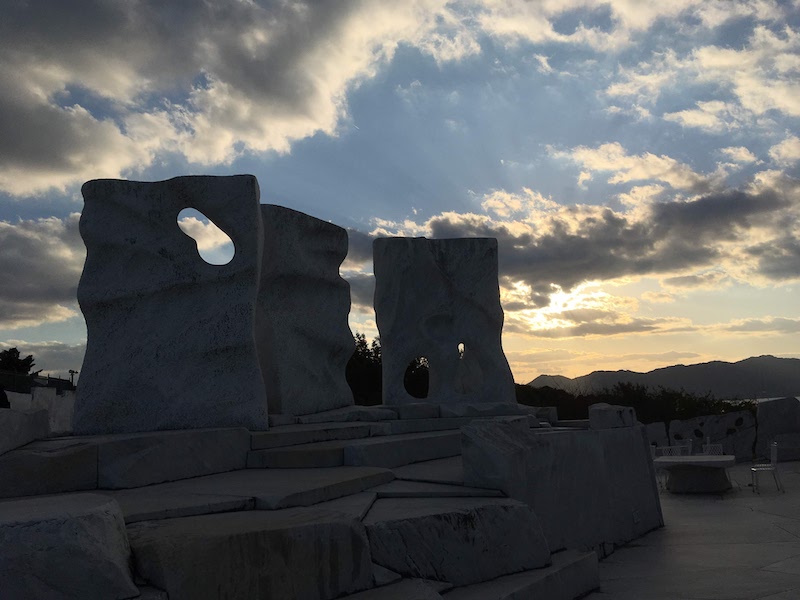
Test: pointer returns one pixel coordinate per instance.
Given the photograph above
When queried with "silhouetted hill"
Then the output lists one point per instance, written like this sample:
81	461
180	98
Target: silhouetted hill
755	377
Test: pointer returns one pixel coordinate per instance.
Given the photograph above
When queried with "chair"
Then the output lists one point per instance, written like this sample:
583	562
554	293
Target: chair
713	449
771	467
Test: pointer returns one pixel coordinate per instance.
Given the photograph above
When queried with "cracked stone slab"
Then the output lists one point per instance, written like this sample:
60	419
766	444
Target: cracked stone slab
406	589
69	546
419	489
279	488
458	540
443	470
48	467
311	553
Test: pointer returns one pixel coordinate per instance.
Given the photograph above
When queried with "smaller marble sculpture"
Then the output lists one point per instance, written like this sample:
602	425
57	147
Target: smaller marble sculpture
440	300
303	339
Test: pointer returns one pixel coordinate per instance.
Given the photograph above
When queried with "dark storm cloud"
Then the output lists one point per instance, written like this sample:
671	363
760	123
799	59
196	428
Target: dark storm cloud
577	246
40	265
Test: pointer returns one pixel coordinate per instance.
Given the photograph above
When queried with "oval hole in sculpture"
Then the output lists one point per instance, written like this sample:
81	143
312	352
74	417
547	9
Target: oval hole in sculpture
213	245
416	377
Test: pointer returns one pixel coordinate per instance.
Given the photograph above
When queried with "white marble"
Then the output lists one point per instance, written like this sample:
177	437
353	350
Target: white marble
170	337
303	337
72	546
610	416
440	299
18	427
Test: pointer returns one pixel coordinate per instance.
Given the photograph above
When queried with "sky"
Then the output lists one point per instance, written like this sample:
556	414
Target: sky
637	160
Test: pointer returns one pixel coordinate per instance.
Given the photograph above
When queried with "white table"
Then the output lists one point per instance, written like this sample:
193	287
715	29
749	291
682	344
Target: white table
702	474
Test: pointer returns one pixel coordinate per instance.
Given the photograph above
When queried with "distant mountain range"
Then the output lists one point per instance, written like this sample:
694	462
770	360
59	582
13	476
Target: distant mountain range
755	377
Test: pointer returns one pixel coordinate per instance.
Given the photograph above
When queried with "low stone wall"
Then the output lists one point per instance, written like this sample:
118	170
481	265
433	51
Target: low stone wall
736	431
591	488
59	407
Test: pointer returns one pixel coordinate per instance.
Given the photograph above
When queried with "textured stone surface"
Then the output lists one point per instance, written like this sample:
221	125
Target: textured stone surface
459	540
72	546
133	460
788	446
18	428
308	553
588	487
609	416
170	337
293	435
417	410
383	576
303	339
48	467
350	413
736	431
442	470
571	576
151	503
484	409
781	415
431	296
407	589
381	451
422	489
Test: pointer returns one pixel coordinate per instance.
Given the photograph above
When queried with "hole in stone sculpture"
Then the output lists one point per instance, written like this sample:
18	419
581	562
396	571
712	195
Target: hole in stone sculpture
416	377
213	245
698	434
740	421
461	349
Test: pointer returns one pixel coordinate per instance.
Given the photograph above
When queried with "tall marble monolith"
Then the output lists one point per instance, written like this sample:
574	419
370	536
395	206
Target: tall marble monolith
304	341
440	300
170	337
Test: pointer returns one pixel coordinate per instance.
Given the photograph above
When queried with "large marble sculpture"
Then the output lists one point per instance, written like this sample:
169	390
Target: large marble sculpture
304	341
170	337
440	300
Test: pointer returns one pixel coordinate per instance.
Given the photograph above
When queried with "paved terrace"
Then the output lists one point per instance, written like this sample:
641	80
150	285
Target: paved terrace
737	545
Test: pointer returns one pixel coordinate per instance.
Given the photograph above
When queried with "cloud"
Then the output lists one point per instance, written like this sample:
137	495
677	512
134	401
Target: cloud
714	116
362	291
40	265
739	154
105	96
787	152
627	168
775	325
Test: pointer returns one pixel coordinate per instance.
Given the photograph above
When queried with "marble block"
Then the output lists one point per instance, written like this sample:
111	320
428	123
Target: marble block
72	546
170	337
18	427
303	338
440	299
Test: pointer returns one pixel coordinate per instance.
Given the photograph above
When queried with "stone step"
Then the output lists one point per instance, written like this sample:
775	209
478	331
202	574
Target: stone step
349	413
384	451
572	575
294	435
249	489
418	489
120	461
441	470
457	540
309	552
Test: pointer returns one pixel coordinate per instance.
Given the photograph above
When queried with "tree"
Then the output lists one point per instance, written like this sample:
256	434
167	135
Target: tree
364	371
10	361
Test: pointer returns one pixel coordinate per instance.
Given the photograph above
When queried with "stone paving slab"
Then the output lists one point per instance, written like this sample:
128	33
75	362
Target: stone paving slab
420	489
443	470
572	575
293	435
355	505
420	425
305	553
267	489
382	451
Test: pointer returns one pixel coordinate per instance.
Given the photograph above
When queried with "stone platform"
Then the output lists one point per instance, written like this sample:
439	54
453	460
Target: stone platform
357	510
